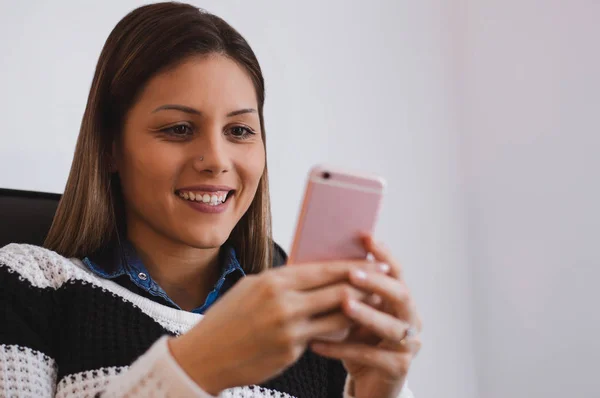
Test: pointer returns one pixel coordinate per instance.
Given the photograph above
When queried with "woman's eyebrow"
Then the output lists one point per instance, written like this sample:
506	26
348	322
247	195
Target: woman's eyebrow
193	111
176	107
241	112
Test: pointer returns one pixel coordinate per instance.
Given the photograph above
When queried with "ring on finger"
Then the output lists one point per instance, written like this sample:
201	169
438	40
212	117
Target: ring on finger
408	333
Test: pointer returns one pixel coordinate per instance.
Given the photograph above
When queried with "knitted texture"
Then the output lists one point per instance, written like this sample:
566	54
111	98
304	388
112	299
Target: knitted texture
25	372
68	333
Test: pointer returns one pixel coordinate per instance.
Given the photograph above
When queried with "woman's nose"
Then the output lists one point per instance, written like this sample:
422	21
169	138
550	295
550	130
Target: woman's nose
210	154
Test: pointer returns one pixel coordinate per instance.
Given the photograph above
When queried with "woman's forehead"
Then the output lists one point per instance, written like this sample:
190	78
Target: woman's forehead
213	82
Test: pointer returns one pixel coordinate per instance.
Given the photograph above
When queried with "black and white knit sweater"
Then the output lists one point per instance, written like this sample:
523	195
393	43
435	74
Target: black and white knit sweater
65	332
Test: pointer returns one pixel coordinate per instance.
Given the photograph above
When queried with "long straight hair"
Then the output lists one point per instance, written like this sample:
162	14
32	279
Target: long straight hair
148	40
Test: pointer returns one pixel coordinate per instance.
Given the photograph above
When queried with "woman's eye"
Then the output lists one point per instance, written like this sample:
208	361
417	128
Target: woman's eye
179	130
241	132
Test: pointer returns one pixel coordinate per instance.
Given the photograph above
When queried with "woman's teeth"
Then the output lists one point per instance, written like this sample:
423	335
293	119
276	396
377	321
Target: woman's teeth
212	198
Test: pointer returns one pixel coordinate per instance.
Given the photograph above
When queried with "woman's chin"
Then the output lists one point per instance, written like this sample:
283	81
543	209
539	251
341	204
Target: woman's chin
205	241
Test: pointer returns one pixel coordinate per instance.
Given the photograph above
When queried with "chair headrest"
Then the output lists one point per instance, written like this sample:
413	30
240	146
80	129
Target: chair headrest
26	216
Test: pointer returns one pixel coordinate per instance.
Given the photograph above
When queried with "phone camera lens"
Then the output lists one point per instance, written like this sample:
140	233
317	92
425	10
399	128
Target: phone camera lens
326	175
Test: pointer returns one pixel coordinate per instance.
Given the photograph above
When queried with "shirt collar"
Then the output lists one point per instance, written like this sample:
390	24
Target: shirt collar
110	262
114	261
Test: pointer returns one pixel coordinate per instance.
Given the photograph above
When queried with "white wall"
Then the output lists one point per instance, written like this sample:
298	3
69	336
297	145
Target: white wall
533	177
367	85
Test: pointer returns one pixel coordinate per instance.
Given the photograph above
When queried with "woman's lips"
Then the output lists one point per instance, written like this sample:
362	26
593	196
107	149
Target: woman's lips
218	201
211	198
205	188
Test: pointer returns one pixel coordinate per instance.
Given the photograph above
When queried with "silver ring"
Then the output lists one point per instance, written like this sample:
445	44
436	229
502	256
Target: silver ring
201	158
408	333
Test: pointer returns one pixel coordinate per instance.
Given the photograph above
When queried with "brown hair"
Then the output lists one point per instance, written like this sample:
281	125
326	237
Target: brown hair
145	42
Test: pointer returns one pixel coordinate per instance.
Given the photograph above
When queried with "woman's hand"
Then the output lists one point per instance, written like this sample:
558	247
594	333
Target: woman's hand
265	322
378	353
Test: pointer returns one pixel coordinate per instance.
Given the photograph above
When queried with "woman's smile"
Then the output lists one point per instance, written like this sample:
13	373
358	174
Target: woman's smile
207	198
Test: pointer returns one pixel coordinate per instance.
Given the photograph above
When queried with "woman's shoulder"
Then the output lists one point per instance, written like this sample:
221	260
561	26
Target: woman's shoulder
39	266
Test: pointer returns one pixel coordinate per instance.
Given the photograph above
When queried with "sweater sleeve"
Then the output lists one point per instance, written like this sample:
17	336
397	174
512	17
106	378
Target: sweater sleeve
405	393
155	374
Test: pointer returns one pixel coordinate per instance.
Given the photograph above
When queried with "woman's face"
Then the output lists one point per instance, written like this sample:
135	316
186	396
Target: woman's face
191	154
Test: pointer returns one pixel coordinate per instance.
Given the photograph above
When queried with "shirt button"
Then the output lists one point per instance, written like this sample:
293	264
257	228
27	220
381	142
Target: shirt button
142	276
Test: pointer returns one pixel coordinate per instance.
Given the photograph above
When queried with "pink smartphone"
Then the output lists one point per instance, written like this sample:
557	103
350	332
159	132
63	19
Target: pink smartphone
338	207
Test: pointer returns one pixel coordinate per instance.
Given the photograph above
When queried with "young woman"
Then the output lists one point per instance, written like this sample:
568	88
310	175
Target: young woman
165	210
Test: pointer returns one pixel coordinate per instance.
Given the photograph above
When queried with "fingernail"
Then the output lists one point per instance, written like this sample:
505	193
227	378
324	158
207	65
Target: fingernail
375	299
352	305
383	267
360	274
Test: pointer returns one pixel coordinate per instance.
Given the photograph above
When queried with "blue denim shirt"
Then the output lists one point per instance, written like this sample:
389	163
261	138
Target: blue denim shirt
116	266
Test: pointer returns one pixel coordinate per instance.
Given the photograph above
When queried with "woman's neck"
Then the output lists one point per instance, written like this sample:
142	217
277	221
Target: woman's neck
185	273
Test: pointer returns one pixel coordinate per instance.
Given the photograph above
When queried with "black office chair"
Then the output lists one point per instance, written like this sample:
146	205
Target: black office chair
26	216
